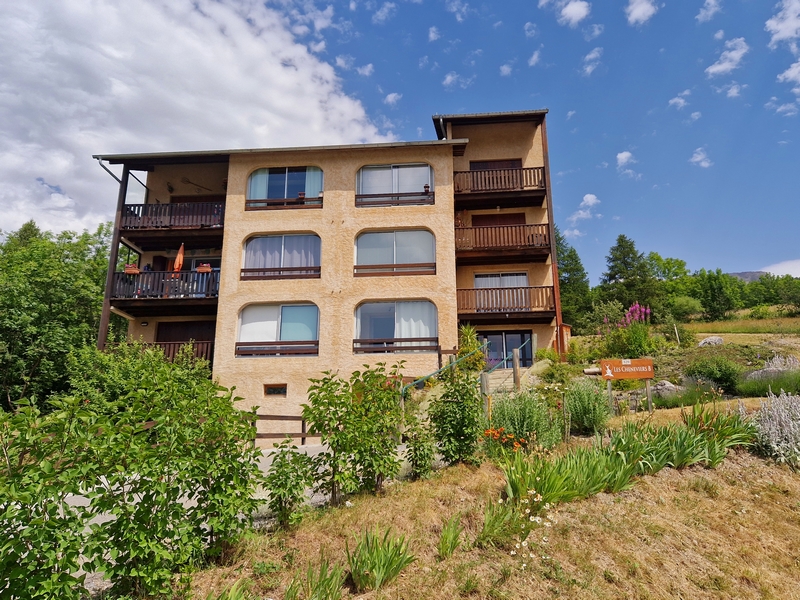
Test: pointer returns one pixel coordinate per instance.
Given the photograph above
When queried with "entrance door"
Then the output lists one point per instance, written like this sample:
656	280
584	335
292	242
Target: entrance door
502	343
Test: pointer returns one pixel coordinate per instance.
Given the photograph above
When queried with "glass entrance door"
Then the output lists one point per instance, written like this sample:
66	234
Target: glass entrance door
501	344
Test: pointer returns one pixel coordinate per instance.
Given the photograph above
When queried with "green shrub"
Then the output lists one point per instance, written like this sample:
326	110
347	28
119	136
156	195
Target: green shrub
695	392
375	560
547	354
684	307
686	338
468	344
777	425
560	373
290	474
499	526
587	406
527	415
420	447
722	371
456	417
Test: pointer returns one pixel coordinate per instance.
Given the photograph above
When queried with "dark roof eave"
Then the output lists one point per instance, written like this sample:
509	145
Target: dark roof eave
439	121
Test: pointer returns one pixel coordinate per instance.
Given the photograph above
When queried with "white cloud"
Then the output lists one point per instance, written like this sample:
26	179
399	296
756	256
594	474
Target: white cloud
789	109
785	25
453	80
570	114
505	70
535	58
573	233
530	30
624	161
709	9
719	34
732	89
592	32
792	75
423	62
786	267
730	58
640	12
344	61
591	61
136	76
458	8
392	99
590	200
384	13
366	70
680	101
700	158
433	34
695	115
569	12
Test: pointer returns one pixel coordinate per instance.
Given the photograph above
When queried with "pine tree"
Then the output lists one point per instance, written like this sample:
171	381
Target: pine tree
629	277
573	281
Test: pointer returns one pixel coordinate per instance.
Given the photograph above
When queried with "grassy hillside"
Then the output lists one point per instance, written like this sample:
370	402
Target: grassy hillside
731	532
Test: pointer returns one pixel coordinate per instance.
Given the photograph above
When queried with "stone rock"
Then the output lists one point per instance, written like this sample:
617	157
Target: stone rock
767	373
665	388
714	340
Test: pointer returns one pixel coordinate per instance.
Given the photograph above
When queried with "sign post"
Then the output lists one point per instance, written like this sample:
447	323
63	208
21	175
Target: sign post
628	368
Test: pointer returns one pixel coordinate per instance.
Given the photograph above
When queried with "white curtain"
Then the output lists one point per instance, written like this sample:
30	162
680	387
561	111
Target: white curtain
313	182
375	248
301	251
263	252
259	323
375	179
415	319
257	186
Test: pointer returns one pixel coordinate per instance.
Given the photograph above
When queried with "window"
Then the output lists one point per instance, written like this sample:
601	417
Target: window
501	280
394	184
411	252
278	330
284	187
282	257
502	292
275	390
396	326
502	344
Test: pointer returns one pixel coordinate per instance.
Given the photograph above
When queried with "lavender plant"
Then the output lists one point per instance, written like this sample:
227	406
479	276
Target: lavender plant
778	426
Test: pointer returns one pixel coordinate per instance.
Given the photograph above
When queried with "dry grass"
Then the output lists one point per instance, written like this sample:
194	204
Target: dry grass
778	326
733	532
673	415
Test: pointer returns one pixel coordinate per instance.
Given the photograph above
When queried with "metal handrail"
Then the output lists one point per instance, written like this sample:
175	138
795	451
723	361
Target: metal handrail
447	366
509	355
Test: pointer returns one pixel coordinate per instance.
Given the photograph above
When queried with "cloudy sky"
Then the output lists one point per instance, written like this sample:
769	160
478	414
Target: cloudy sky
674	122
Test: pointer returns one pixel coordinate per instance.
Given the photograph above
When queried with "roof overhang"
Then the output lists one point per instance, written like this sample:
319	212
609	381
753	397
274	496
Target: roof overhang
440	121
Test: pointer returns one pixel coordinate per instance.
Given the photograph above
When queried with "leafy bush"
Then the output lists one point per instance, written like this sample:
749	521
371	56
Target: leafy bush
359	423
560	373
759	312
547	354
176	471
375	560
456	417
630	337
290	474
695	392
684	307
778	428
722	371
686	338
420	447
468	343
527	415
587	406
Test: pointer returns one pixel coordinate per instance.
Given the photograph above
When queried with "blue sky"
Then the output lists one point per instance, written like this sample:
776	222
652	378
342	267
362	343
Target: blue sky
675	122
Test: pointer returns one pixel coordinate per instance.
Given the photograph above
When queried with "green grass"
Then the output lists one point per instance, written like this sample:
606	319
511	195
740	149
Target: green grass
774	325
788	381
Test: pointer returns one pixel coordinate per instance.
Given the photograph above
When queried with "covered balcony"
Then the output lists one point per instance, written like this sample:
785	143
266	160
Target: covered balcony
199	349
189	215
530	304
159	293
523	186
527	242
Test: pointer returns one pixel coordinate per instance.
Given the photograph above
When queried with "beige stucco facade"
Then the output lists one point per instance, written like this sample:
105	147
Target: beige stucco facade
200	179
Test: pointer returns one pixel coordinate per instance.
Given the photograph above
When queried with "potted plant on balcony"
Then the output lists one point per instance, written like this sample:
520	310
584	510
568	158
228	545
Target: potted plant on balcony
131	269
204	268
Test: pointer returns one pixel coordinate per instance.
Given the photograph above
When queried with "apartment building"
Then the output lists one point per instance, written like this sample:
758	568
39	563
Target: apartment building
282	263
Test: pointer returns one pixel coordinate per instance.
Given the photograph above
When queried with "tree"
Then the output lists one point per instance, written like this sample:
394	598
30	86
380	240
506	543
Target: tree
719	293
629	277
573	282
51	294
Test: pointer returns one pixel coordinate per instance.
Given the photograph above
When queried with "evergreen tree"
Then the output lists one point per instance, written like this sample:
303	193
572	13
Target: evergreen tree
573	281
629	277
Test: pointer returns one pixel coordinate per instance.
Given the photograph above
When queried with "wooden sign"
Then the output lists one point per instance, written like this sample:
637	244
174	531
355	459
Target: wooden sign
627	368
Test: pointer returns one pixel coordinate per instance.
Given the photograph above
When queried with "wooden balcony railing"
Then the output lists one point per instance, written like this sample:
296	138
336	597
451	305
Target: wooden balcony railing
200	349
166	284
395	199
499	180
281	273
422	344
505	300
502	236
282	203
304	348
395	269
188	215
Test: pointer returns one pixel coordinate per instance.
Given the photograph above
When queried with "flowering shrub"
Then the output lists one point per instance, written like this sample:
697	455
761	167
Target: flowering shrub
527	417
506	441
630	337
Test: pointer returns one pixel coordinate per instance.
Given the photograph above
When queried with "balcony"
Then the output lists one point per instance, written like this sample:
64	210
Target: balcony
394	269
477	245
372	346
165	284
396	198
280	273
190	215
506	304
282	348
498	180
200	349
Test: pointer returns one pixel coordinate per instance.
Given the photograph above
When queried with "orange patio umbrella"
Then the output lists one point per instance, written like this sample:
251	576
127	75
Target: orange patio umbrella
179	260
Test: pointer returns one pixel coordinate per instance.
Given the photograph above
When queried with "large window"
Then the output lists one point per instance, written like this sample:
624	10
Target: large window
502	292
501	280
411	252
282	257
395	184
396	326
278	330
284	187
